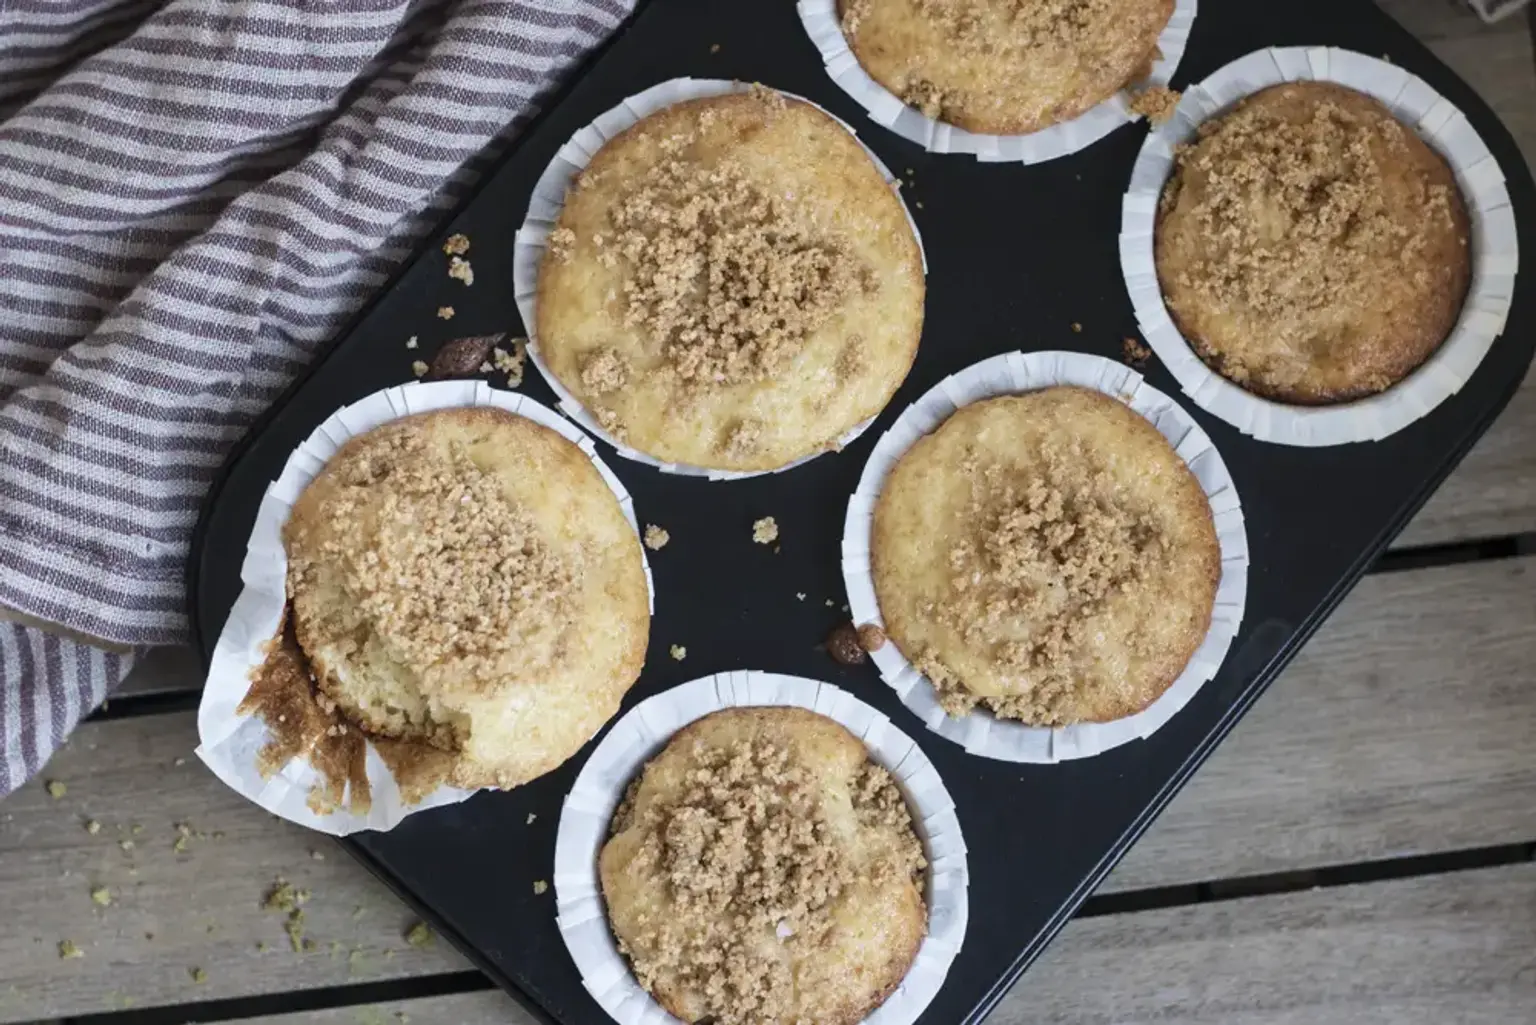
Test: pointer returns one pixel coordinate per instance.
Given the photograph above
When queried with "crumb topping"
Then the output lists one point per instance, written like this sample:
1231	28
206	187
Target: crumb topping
765	531
460	270
1003	66
456	245
1049	549
743	438
655	537
1301	227
727	279
445	312
511	363
972	26
604	371
678	652
746	850
440	561
560	242
1155	103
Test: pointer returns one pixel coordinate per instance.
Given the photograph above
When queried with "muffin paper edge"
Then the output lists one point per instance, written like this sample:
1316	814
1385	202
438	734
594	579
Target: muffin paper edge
1495	248
980	732
887	109
548	199
645	729
229	742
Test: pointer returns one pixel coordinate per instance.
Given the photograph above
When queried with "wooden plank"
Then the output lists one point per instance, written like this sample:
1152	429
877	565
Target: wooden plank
1407	728
174	912
1493	492
1449	948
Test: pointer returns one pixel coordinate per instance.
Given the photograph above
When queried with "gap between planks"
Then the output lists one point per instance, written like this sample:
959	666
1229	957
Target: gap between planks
1453	948
1407	727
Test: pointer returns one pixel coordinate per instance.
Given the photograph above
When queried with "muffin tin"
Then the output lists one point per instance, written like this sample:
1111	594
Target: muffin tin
1020	258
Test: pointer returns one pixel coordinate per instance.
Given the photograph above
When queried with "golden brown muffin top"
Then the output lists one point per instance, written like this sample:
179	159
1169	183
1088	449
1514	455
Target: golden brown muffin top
764	870
732	283
1048	556
1310	247
1004	67
466	579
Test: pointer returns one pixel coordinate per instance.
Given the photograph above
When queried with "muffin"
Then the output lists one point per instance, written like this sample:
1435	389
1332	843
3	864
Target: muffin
732	284
1005	67
1311	248
763	869
1047	556
464	579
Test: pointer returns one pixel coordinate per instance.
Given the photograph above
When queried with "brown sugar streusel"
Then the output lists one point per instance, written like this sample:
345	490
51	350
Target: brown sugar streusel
1155	103
1047	556
762	869
1311	248
1004	66
710	265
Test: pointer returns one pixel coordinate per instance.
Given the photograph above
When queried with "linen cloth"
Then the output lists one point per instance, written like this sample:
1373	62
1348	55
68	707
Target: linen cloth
194	196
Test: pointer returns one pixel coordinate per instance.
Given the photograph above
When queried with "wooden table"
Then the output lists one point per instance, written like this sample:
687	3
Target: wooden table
1362	850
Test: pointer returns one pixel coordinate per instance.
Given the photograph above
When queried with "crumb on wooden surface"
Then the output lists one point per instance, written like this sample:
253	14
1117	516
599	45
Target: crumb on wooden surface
655	537
765	531
101	896
92	826
56	788
198	975
419	935
68	950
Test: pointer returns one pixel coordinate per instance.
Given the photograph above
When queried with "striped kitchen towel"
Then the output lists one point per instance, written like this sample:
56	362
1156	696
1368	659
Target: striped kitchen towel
193	197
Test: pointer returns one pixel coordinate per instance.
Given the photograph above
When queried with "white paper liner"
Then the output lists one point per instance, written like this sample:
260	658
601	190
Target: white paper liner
544	211
639	735
821	23
1012	373
1495	250
229	742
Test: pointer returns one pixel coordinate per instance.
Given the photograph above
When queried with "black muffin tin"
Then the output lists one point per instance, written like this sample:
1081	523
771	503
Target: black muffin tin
1017	255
